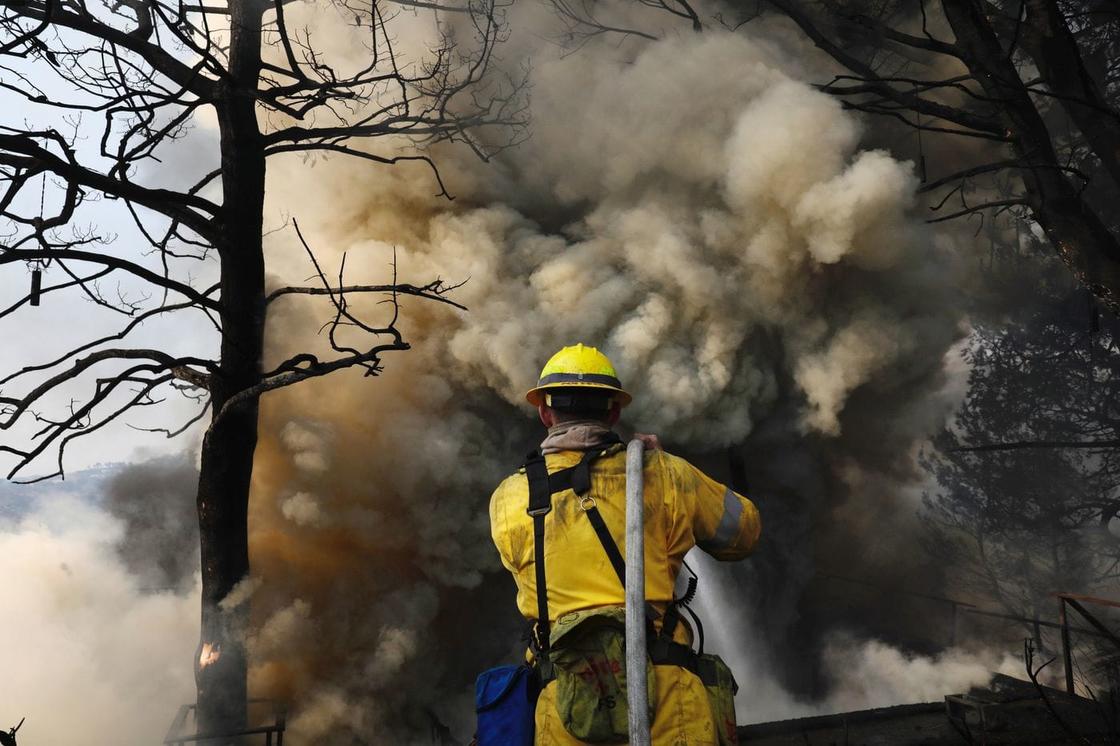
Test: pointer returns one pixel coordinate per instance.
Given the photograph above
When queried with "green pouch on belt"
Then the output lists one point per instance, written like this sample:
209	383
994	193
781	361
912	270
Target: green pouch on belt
721	688
588	654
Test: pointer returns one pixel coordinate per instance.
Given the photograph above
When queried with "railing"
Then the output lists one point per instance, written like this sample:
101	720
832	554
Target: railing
958	607
1076	601
275	722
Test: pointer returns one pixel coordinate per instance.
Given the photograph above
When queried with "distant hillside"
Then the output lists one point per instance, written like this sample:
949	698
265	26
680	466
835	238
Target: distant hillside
87	485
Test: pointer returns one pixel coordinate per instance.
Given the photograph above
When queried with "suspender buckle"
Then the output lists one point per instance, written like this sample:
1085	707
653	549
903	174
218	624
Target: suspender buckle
542	510
586	502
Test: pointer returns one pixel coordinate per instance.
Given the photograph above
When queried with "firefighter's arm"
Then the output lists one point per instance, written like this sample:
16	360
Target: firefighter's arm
725	524
499	526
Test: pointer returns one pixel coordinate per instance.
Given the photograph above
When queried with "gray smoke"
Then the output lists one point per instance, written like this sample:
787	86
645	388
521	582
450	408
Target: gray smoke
155	501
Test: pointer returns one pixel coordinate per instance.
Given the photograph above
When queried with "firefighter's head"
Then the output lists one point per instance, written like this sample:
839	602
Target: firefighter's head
578	382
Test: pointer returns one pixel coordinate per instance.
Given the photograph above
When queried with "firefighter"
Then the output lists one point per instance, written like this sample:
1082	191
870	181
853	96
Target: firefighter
577	626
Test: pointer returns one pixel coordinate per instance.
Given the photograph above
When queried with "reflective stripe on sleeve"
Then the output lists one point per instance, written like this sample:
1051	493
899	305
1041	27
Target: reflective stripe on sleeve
728	528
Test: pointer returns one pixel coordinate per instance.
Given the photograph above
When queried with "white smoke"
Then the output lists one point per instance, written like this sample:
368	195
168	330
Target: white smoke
89	657
870	673
303	509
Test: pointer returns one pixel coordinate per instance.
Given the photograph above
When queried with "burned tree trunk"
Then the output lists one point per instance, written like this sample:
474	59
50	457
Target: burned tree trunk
227	452
223	489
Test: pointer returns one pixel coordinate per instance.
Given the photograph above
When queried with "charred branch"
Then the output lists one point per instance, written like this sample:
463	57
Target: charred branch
994	46
82	420
23	153
1081	238
53	13
304	366
10	256
14	408
583	23
879	84
1047	38
436	291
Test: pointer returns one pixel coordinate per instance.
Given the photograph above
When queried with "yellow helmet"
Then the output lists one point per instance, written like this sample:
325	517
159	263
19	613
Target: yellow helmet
578	366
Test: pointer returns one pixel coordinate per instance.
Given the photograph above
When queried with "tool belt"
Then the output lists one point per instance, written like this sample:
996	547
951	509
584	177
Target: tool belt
585	653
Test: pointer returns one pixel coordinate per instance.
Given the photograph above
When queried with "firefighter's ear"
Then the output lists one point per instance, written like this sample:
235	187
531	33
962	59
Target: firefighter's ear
615	413
548	417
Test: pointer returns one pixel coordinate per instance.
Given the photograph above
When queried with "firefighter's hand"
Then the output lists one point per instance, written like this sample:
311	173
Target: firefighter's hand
651	442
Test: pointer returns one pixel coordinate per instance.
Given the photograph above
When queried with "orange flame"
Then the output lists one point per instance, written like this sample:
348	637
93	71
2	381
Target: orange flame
211	652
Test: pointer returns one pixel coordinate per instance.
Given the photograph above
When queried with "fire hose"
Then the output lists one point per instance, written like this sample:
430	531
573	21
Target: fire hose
637	696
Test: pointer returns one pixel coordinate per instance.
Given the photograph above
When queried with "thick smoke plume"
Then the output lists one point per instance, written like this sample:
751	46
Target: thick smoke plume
708	219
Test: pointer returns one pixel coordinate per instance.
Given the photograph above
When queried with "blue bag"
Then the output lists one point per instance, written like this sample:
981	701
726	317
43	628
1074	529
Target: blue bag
505	700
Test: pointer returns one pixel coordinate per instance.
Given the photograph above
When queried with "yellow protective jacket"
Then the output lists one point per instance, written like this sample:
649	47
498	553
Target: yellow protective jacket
683	508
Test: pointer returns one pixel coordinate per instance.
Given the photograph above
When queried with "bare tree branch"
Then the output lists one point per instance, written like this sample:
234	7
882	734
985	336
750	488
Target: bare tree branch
432	291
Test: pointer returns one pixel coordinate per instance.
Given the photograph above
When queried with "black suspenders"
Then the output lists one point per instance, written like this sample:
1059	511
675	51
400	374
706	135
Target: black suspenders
540	504
542	486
